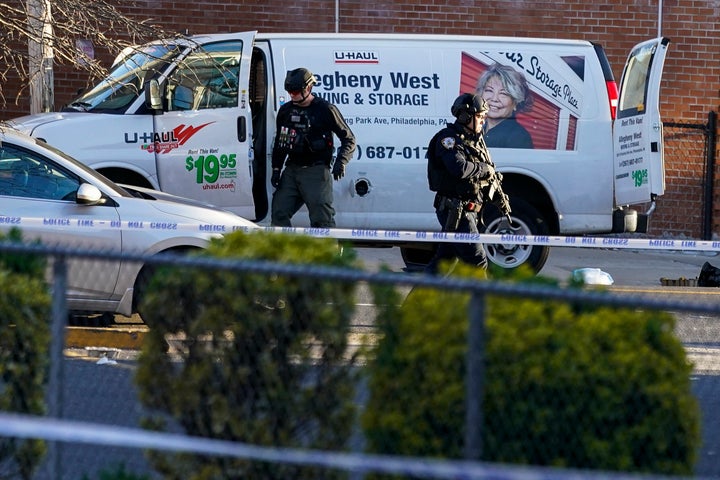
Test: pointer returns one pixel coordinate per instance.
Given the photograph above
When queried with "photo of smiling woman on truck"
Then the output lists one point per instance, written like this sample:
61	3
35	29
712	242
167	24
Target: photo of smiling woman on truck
506	92
535	100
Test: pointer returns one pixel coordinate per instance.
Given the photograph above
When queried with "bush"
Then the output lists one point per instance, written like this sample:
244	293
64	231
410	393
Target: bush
588	387
118	473
265	358
24	343
29	264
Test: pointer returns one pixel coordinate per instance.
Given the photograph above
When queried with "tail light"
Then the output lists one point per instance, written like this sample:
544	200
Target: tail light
612	91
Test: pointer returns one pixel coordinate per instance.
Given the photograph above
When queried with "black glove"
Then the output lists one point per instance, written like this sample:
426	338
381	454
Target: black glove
338	170
275	179
484	170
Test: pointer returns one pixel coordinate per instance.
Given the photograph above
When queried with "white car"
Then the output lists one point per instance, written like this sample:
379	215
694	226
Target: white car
51	197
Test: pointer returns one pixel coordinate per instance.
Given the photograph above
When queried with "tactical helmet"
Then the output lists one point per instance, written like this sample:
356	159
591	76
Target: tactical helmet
298	79
467	105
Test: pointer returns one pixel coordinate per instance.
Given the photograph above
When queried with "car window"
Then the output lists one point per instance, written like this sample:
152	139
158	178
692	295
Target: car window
87	172
26	174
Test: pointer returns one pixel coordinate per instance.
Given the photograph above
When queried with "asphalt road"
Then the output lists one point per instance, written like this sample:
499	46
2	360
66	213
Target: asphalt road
103	392
628	267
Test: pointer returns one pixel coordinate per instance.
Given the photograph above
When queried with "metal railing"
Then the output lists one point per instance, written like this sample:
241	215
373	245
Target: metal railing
55	429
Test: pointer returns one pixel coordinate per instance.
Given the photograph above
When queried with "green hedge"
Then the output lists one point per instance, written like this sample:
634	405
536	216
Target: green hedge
24	344
590	387
265	358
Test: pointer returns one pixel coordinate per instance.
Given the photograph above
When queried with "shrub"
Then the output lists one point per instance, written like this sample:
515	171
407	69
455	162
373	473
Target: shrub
118	473
589	387
24	343
24	263
265	358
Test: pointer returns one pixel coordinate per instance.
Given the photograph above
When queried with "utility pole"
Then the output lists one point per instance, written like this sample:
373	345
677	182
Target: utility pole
40	50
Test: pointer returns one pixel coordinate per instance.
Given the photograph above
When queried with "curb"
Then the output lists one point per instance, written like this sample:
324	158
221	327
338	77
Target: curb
666	290
124	338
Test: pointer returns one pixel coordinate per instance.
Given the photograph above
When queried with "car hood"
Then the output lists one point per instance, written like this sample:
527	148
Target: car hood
185	207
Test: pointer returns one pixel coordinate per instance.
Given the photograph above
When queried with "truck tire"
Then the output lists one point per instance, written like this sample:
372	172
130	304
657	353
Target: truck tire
127	177
526	221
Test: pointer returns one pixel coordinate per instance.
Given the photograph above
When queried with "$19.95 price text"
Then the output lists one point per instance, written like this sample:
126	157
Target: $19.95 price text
208	167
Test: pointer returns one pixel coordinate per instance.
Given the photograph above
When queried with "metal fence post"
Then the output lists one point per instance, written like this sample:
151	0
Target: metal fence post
57	345
711	142
475	379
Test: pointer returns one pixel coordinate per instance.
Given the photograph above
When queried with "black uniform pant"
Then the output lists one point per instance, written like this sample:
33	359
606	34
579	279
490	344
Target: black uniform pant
470	253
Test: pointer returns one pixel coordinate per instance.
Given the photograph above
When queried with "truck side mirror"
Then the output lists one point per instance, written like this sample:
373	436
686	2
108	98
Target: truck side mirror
153	98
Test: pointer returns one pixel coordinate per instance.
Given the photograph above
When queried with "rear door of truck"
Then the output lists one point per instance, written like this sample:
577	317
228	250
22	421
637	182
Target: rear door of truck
639	168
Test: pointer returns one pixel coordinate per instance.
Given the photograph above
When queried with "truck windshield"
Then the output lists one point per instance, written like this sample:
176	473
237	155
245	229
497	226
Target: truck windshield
126	79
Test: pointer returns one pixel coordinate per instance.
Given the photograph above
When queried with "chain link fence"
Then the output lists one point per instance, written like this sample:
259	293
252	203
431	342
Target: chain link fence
687	209
96	409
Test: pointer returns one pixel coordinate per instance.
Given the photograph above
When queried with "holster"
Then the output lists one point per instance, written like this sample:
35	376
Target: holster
455	210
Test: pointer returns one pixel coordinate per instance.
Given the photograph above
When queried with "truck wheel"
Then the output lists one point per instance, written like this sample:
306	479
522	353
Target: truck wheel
526	221
127	177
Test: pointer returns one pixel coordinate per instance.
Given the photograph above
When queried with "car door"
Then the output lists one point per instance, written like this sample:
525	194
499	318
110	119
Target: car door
203	138
639	167
37	195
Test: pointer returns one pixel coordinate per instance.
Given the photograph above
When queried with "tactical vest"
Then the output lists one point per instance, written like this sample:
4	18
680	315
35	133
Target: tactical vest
440	180
296	137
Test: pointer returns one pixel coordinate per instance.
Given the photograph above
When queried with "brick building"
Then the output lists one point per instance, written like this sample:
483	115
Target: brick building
691	84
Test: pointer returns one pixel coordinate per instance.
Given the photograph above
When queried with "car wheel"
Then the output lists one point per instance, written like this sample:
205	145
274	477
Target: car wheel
416	258
141	284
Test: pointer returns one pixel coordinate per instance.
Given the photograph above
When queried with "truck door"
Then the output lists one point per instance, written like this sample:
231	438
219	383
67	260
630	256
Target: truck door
203	137
639	168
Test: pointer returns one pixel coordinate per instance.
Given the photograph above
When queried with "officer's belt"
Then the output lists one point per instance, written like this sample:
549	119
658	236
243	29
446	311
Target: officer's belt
467	205
306	165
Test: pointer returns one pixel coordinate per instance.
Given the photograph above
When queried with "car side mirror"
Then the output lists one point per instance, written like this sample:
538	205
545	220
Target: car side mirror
88	194
153	96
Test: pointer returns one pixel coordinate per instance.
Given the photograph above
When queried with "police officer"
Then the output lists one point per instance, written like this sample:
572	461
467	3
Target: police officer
304	145
459	167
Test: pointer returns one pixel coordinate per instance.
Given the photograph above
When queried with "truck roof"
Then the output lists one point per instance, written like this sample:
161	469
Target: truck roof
401	36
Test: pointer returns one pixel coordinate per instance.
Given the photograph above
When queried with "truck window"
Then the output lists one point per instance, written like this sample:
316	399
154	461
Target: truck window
126	80
207	78
634	93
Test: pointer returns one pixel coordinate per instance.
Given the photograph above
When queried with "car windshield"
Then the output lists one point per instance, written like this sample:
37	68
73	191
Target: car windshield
125	81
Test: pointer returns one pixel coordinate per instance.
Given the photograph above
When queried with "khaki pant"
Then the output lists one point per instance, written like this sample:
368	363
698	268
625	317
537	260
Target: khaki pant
311	186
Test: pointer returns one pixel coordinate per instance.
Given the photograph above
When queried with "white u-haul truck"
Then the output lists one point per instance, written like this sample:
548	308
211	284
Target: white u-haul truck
196	117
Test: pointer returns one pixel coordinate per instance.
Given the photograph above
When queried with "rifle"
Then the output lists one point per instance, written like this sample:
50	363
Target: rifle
493	192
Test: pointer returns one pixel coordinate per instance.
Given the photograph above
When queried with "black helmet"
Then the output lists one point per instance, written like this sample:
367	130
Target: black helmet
298	79
467	105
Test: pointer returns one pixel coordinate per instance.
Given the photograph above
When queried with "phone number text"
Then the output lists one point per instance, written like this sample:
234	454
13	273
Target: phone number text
381	152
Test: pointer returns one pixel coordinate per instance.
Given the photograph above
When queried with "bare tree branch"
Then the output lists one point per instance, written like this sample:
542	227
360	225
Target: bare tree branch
96	21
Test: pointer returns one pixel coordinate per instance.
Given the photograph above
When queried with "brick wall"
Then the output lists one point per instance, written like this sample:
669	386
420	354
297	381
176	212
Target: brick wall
691	85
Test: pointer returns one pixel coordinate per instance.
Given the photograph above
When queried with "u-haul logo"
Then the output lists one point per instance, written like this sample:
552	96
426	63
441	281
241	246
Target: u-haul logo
164	142
356	56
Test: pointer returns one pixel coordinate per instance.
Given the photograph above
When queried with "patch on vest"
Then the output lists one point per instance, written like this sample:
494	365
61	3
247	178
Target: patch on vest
448	142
